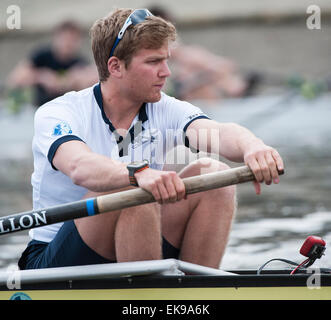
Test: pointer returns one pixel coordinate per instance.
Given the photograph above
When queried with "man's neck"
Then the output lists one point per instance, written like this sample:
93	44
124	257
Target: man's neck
118	109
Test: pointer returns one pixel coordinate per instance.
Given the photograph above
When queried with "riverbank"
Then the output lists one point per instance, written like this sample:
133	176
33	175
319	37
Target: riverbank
42	16
270	37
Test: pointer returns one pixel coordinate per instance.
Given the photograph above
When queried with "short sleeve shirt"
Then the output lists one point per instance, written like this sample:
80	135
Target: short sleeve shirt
156	129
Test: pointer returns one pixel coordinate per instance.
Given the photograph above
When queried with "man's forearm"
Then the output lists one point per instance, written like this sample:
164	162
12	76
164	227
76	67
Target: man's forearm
235	141
229	140
237	144
90	170
99	173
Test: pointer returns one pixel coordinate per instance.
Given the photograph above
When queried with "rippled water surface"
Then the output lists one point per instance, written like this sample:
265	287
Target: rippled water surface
272	225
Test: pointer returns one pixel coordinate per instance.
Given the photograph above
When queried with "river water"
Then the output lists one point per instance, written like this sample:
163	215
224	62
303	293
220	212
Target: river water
271	225
275	223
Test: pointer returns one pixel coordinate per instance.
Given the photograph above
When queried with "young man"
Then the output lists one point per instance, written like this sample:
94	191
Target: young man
95	141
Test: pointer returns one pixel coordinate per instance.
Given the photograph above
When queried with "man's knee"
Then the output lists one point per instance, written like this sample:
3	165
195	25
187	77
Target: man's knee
209	165
138	234
145	214
203	166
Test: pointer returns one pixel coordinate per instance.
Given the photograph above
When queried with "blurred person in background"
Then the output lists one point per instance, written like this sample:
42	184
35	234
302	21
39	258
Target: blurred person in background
54	69
200	74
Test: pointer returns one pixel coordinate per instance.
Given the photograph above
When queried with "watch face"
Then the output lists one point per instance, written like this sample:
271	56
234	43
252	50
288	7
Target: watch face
138	164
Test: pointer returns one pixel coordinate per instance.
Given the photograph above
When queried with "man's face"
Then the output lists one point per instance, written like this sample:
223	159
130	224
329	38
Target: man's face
146	74
67	43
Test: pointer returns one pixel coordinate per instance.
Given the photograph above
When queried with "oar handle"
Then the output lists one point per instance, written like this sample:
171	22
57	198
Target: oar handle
134	197
117	201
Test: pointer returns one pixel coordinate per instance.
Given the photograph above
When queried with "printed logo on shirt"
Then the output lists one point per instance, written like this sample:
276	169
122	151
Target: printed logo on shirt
61	129
195	115
150	137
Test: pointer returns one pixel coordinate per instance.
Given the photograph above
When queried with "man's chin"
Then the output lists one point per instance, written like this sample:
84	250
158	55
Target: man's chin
154	98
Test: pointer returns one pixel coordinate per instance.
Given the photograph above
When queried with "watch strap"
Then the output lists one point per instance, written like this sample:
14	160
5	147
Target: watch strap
132	171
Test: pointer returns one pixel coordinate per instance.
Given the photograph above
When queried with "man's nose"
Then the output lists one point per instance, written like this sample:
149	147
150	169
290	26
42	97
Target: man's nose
164	71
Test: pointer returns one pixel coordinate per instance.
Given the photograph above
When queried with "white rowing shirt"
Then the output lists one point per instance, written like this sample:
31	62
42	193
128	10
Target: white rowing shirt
156	129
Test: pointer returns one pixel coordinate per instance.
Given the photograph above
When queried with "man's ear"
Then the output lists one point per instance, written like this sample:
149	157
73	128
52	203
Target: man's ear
115	67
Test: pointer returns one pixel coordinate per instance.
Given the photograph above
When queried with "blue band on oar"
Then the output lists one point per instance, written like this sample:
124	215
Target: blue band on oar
90	207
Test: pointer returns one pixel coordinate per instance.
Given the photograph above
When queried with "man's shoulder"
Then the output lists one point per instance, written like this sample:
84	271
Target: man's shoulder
41	55
172	111
73	100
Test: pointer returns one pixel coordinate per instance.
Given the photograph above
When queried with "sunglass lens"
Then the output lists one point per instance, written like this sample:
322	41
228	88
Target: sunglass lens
139	16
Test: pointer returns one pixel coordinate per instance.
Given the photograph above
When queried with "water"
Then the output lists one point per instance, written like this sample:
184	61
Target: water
272	225
275	224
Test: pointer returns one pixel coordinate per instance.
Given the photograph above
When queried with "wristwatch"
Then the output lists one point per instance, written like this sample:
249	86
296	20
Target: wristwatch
134	167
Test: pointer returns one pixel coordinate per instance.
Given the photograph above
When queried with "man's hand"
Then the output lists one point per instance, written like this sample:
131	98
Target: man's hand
166	186
264	162
49	79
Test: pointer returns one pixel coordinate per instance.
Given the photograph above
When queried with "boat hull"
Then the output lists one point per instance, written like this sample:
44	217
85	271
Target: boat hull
275	293
239	287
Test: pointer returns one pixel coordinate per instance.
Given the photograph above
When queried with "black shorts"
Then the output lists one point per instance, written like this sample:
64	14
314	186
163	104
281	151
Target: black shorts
68	249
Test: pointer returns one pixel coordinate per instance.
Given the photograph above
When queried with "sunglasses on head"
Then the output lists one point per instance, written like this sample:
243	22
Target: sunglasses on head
137	16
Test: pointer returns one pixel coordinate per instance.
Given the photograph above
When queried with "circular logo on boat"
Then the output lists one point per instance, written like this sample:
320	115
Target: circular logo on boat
20	296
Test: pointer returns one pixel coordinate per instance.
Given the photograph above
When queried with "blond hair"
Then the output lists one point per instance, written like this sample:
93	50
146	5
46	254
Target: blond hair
152	33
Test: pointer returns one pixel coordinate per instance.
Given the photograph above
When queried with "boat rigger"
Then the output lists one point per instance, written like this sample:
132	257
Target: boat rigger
168	279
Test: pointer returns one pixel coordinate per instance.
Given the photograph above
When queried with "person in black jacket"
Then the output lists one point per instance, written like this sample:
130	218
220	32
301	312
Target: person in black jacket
55	69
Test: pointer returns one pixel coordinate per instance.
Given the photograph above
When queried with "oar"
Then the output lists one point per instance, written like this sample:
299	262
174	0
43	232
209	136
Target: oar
116	201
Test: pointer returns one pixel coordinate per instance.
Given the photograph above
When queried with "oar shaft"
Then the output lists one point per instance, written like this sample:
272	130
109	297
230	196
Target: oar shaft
117	201
134	197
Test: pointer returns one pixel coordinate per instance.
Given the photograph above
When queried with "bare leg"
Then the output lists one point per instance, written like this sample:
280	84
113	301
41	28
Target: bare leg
138	234
127	235
200	225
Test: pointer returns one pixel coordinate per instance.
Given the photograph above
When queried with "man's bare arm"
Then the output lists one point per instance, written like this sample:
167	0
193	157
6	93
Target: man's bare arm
237	144
93	171
98	173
